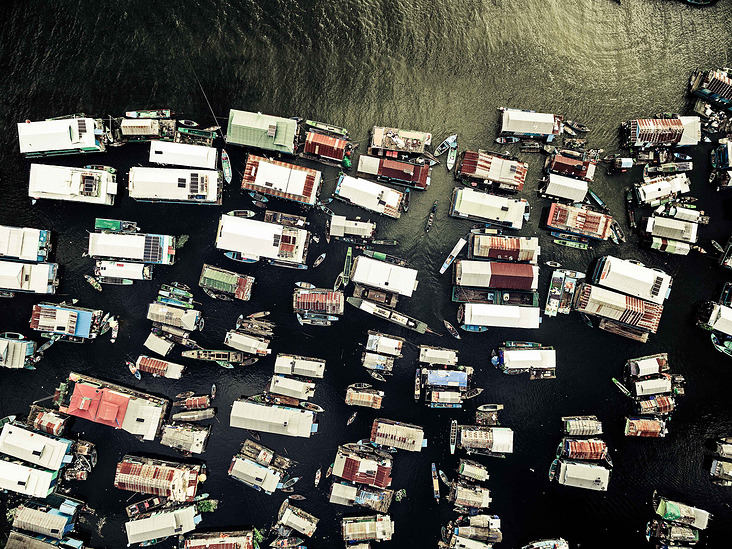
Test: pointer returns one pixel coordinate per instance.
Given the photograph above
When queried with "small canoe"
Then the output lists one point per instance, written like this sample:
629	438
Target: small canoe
259	314
359	386
305	285
290	482
717	246
94	282
114	324
351	419
407	199
241	213
225	364
188	123
338	282
553	264
443	477
217	295
317	475
507	140
451	158
213	391
577	126
472	393
445	145
431	218
417	384
569	131
254	435
299	319
186	394
450	328
319	260
682	157
377	376
258	197
330	470
311	406
297	497
571	244
287	542
226	165
453	435
587	320
133	369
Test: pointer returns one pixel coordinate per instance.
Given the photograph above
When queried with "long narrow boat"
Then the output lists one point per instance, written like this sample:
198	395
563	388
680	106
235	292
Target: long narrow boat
453	254
451	157
623	388
453	435
319	260
567	236
338	282
149	113
472	393
417	384
629	207
94	282
212	355
722	348
407	200
226	165
577	126
317	476
241	213
450	328
388	314
347	267
386	257
115	226
443	477
431	218
236	256
351	419
445	145
597	200
305	285
435	483
178	290
571	244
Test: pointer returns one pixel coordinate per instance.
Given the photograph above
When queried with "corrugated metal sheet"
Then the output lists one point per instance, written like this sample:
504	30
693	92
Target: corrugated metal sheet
325	146
579	220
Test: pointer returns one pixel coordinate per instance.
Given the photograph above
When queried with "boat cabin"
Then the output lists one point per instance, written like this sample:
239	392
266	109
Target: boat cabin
262	131
92	185
76	135
175	185
180	154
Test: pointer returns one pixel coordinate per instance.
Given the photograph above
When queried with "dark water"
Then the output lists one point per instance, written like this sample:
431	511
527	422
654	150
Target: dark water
437	66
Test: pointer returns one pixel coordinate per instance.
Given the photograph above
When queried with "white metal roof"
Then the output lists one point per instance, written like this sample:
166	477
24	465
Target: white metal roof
255	474
294	422
490	207
721	319
645	366
299	366
675	229
167	523
181	318
29	277
370	195
66	183
529	358
340	226
567	188
49	523
142	417
385	276
174	184
247	343
126	246
55	135
183	154
255	239
22	479
636	280
119	269
343	494
508	316
286	386
583	475
368	164
383	344
692	131
281	178
158	344
434	355
19	242
662	186
13	352
646	387
35	448
518	121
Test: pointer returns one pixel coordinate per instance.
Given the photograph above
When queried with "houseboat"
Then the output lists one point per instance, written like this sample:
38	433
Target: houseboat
569	167
326	144
393	434
510	213
262	131
527	123
77	134
474	316
34	278
180	154
259	467
176	185
384	276
24	244
500	172
17	351
391	142
580	475
496	274
369	195
265	418
338	226
645	427
221	282
563	188
142	130
66	322
636	313
389	314
655	191
632	278
586	426
579	221
158	249
122	272
90	185
281	180
177	482
396	172
519	249
537	360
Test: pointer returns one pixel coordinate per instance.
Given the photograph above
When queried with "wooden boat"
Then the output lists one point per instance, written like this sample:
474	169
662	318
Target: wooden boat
717	246
629	208
319	260
319	316
149	113
406	200
450	328
114	225
473	328
451	157
445	145
236	256
7	293
258	197
145	506
213	391
186	394
151	542
722	348
177	288
7	419
347	267
259	314
287	542
453	435
317	476
571	244
400	494
291	482
226	165
490	407
472	393
359	386
453	254
305	285
242	213
443	477
195	415
299	319
617	231
386	257
330	470
507	140
435	484
217	295
114	324
133	369
569	131
94	282
417	384
553	264
351	419
586	319
188	123
431	218
253	434
297	497
577	126
338	282
225	364
623	388
377	376
311	406
598	200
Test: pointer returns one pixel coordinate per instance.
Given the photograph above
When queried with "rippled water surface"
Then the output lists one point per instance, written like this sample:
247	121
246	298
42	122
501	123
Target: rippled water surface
438	66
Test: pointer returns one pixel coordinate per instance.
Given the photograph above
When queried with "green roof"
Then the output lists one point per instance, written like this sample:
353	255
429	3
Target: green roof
218	280
252	129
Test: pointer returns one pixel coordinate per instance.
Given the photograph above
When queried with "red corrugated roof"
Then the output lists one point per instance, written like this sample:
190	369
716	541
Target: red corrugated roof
325	145
250	175
98	405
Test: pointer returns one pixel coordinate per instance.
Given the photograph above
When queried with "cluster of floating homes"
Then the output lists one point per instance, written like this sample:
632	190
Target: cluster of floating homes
495	286
678	524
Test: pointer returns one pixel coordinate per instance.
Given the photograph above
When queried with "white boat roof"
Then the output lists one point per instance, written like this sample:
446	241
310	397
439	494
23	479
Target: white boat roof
368	164
183	154
468	543
384	276
186	319
583	475
281	420
477	473
340	226
247	343
142	417
158	344
255	474
343	494
49	522
404	437
508	316
13	352
645	366
55	135
692	131
167	523
127	246
284	179
434	355
490	207
675	229
567	188
255	239
664	185
721	319
383	344
28	277
480	273
299	366
67	183
370	195
25	480
298	522
20	242
379	528
652	386
35	448
120	269
175	184
530	358
290	387
519	121
636	280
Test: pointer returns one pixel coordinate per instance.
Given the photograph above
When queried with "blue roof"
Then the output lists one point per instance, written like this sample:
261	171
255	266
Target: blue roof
83	319
450	378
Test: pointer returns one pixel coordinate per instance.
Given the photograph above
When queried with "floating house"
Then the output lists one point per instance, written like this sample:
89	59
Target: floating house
649	132
392	141
384	344
287	386
185	319
176	185
344	493
507	316
366	397
185	437
579	221
389	315
16	351
24	243
363	464
667	228
318	300
473	470
246	343
397	172
48	421
158	249
113	405
259	467
583	449
489	208
470	496
632	278
496	274
437	355
540	362
299	366
325	146
714	86
25	480
681	513
504	248
20	540
158	367
339	226
51	519
565	188
525	123
582	425
175	481
181	154
721	472
384	276
262	131
582	475
280	420
141	130
369	195
668	246
485	440
158	344
721	156
282	180
662	189
243	539
374	361
70	321
77	135
647	365
253	240
32	278
296	519
652	385
162	524
372	527
501	172
634	312
401	436
574	168
716	317
226	282
87	185
34	448
118	272
645	427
